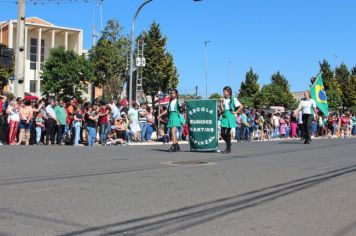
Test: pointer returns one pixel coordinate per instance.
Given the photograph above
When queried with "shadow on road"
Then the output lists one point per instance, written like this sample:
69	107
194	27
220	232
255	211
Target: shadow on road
187	217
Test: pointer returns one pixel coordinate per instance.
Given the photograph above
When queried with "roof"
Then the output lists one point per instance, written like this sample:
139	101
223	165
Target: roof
36	21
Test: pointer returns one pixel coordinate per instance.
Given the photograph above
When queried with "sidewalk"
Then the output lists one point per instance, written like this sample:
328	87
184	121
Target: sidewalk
153	143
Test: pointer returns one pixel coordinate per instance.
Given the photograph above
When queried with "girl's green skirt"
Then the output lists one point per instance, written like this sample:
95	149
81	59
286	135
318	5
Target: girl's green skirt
228	120
173	120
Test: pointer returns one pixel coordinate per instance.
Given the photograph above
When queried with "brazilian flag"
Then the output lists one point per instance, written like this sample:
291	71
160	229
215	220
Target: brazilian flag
317	92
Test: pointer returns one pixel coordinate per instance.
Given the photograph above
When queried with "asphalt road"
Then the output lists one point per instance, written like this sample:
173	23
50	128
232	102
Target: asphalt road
272	188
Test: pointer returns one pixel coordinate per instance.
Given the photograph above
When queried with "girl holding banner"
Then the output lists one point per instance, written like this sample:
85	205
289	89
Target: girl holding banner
174	121
229	106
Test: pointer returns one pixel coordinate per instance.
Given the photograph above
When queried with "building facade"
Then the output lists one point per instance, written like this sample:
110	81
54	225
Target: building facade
40	37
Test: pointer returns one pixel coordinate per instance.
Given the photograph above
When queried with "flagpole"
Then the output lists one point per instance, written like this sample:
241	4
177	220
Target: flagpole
317	79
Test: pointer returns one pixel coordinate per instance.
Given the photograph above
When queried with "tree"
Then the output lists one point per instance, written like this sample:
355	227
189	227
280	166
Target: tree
331	85
64	74
277	93
249	94
249	87
281	81
328	73
352	90
215	96
109	58
343	77
160	70
5	73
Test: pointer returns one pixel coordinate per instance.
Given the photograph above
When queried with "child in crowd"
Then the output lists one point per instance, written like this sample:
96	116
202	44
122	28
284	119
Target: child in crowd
163	137
39	127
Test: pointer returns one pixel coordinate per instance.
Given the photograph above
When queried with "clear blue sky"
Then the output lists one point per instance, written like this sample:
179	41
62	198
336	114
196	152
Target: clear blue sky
269	35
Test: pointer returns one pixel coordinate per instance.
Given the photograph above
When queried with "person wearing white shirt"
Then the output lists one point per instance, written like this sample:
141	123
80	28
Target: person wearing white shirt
13	120
230	107
307	106
51	122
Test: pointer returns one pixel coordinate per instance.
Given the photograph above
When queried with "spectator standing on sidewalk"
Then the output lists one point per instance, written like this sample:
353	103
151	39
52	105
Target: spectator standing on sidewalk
90	120
51	122
26	114
13	120
3	119
353	119
150	124
103	122
61	115
142	119
133	120
77	123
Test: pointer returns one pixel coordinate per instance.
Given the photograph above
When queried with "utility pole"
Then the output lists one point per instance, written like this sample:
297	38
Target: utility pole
196	91
132	42
206	68
20	50
92	85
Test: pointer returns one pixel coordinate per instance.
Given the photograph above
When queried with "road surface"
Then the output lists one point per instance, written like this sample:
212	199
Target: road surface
261	188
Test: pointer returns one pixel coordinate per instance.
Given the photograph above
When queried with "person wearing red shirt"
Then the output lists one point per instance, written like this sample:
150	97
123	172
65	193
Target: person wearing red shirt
344	123
103	122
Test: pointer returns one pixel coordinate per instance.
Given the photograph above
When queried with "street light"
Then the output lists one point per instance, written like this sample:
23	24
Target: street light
206	68
133	46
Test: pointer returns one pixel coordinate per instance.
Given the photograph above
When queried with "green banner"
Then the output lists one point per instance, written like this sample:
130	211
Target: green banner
203	125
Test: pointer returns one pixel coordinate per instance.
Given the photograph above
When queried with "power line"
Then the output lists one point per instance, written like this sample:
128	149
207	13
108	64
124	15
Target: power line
53	2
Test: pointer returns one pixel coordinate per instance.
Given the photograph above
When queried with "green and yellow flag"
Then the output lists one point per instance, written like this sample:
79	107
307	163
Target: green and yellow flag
317	92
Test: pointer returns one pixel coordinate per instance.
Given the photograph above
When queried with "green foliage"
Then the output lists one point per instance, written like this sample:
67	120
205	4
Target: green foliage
277	93
332	87
328	73
334	95
215	96
160	70
249	87
249	94
347	85
109	58
281	81
246	101
64	74
5	73
351	87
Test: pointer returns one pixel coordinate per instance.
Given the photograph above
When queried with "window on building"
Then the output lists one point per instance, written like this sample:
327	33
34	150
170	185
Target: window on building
33	86
33	52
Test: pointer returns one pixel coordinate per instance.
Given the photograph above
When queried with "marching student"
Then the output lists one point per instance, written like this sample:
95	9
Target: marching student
229	106
174	121
307	106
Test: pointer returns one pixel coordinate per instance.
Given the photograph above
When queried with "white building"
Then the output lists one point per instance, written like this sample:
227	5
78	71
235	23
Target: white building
40	37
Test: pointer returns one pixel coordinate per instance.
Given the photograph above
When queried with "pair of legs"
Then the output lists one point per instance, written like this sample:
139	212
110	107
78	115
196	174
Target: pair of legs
91	135
13	125
104	130
226	136
175	147
25	132
143	132
77	127
50	131
307	120
60	130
